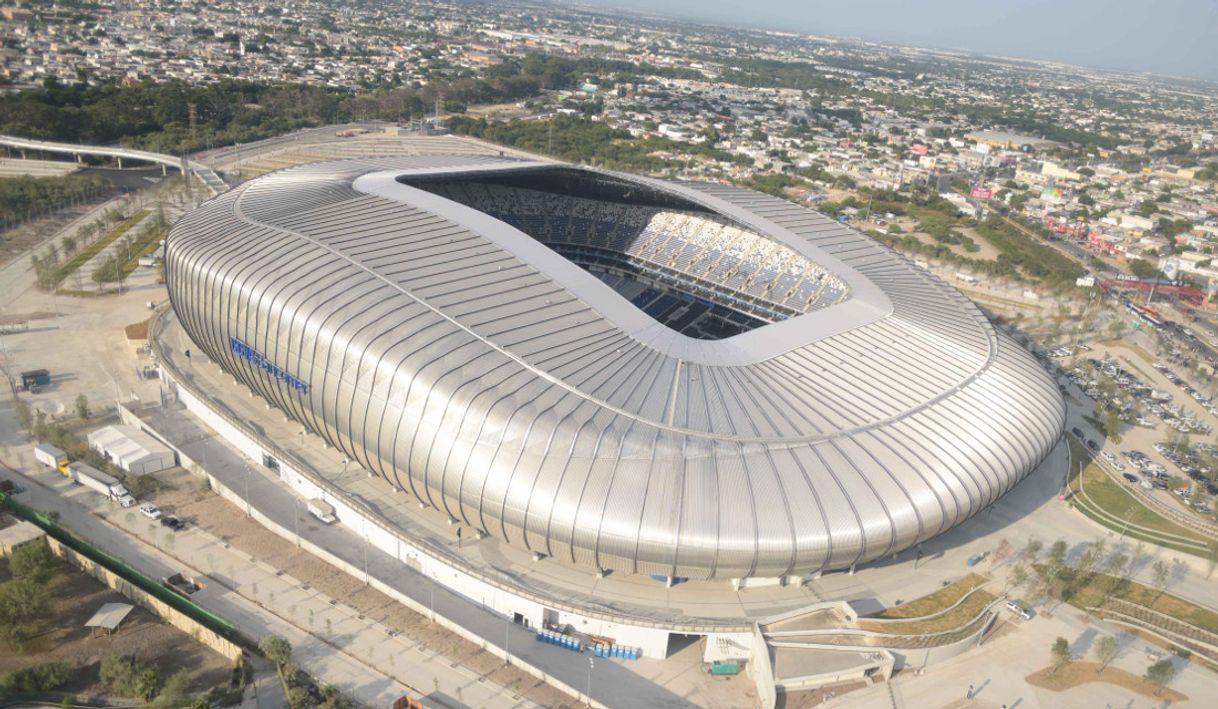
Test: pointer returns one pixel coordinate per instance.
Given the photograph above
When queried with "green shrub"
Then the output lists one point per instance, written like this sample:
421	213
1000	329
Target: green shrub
126	677
35	678
34	562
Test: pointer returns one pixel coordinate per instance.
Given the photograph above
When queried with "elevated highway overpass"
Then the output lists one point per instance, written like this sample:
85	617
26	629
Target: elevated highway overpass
203	172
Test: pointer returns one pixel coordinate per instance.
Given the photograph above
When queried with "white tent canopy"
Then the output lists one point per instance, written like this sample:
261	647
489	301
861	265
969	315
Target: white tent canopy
131	449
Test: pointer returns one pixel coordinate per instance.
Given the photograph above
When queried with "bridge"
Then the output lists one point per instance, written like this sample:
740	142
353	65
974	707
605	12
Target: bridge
203	172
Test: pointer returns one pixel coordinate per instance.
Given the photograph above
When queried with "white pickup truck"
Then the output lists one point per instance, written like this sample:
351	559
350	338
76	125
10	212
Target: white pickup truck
322	510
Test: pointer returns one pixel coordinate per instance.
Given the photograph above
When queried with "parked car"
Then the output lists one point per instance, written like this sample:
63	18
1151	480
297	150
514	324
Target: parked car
173	523
150	511
1131	478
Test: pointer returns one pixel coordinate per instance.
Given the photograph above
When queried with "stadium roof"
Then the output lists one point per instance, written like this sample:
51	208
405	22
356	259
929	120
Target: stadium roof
498	381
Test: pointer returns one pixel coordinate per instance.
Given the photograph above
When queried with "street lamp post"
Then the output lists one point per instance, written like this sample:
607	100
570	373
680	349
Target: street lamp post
364	524
591	664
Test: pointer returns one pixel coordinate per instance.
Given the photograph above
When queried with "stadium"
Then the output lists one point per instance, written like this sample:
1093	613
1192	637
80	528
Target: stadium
625	374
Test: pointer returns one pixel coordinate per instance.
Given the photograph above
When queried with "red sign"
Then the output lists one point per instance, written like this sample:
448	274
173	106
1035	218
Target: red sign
919	149
981	193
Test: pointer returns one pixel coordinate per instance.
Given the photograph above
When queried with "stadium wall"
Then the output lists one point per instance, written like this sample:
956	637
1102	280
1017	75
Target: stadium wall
652	641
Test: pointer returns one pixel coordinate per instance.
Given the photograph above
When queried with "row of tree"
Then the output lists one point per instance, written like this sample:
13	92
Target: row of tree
157	115
581	140
25	197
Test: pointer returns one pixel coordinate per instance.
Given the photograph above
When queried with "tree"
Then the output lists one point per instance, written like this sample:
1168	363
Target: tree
175	687
1159	574
1062	655
34	562
1144	269
1106	649
276	649
1160	673
23	603
35	678
147	684
1031	550
1112	427
1057	554
1017	577
82	407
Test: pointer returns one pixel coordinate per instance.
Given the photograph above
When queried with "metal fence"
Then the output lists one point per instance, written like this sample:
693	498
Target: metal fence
136	578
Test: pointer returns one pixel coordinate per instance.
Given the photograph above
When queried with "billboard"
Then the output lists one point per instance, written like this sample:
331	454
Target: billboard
981	193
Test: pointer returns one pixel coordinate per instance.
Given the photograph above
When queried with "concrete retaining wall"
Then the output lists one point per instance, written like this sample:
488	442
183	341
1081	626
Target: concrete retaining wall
926	656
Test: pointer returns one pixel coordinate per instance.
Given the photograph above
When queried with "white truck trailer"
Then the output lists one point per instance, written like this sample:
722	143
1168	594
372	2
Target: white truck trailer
51	457
95	479
322	510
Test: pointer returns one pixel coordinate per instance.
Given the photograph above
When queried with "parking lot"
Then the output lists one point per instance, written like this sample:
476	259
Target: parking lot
1163	446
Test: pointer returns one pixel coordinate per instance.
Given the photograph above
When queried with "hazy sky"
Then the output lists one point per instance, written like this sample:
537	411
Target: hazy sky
1178	37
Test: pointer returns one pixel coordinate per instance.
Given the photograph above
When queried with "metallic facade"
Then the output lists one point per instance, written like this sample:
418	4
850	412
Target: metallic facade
500	383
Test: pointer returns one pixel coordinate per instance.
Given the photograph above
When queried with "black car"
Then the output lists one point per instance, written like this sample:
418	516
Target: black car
1093	445
1077	431
173	523
1130	477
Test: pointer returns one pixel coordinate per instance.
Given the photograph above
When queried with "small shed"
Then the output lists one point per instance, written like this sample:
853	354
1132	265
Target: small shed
108	618
131	449
18	535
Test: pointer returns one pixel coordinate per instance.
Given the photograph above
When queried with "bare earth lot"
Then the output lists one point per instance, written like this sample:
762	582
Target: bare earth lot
75	597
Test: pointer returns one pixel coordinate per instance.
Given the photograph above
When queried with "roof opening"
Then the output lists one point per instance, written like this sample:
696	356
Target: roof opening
686	267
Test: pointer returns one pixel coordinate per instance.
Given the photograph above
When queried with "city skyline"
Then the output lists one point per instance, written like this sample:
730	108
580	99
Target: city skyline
1167	40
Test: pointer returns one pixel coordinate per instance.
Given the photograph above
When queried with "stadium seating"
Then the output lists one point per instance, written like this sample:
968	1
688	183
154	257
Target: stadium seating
697	273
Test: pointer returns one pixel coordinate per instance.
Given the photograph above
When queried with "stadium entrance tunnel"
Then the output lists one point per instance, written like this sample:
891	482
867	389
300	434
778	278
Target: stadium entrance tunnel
696	272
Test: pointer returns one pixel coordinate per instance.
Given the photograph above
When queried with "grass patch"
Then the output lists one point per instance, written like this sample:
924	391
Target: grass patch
957	617
938	601
1092	594
96	247
1113	498
1080	673
147	243
913	614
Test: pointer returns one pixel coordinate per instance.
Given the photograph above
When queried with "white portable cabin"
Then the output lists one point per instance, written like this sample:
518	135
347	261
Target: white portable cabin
131	449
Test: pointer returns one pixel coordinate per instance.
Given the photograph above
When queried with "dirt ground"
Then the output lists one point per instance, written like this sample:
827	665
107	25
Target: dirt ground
815	697
181	495
76	596
17	241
